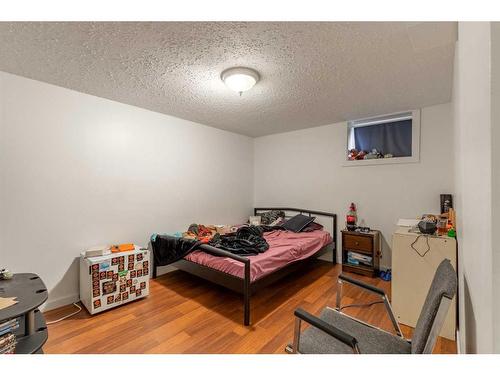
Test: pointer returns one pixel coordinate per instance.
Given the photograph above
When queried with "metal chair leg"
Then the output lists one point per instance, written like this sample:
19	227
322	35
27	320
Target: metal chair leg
339	294
392	316
296	336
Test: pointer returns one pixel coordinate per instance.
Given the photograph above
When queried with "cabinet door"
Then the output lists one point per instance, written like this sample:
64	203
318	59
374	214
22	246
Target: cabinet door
109	293
138	265
412	274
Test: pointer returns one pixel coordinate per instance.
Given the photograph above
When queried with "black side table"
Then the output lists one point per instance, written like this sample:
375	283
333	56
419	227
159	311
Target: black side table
31	293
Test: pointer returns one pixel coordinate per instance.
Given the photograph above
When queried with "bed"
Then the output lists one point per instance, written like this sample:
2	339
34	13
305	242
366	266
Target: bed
287	252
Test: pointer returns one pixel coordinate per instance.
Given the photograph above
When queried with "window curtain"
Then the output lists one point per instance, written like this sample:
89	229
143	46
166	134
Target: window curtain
390	138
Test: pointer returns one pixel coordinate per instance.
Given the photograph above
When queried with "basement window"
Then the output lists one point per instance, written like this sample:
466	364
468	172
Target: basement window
385	139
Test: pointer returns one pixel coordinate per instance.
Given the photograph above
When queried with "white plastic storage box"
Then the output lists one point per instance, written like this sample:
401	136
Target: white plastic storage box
111	280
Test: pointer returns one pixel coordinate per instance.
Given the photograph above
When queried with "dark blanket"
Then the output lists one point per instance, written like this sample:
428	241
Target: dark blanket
247	240
169	249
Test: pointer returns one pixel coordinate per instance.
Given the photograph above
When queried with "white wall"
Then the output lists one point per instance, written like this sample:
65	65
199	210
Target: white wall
495	169
304	169
473	166
78	170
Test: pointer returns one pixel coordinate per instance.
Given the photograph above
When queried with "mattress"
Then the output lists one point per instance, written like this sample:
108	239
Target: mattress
285	247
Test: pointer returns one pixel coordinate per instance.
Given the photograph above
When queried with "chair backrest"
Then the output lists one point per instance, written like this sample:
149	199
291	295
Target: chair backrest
443	286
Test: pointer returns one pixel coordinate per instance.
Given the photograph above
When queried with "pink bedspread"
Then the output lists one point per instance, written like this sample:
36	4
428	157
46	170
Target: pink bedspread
284	248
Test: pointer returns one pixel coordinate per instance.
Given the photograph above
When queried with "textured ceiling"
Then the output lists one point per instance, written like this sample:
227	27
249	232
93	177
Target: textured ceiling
312	73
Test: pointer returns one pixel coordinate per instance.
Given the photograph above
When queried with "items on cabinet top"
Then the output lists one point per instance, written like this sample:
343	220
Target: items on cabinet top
103	250
430	224
351	222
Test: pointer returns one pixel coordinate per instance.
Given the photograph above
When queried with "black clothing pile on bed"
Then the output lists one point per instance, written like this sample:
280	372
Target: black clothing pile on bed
246	241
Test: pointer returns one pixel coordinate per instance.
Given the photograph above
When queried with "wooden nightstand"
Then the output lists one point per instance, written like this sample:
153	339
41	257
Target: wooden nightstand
363	244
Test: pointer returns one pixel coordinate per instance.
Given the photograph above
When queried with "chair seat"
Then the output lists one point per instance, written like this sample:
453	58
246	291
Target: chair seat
370	340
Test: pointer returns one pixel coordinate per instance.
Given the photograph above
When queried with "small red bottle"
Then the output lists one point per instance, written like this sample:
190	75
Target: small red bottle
351	217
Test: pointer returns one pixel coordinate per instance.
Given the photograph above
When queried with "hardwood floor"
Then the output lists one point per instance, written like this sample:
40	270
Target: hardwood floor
184	314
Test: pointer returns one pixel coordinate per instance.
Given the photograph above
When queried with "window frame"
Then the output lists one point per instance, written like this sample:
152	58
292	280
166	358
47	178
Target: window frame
415	139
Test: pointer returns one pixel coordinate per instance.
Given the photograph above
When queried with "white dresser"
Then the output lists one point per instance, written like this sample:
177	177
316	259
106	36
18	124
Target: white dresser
412	275
112	280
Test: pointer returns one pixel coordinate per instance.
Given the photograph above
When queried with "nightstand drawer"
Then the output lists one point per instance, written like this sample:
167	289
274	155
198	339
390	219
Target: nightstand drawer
354	242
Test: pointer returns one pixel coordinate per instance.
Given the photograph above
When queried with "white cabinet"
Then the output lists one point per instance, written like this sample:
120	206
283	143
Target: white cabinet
413	271
111	280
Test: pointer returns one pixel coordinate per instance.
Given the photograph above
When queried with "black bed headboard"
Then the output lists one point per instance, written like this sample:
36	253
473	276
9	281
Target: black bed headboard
304	212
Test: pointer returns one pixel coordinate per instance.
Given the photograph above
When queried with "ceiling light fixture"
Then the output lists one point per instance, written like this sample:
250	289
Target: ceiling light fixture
240	79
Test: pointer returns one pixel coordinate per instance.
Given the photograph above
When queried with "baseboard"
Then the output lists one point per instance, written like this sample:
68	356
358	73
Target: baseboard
162	270
327	256
52	304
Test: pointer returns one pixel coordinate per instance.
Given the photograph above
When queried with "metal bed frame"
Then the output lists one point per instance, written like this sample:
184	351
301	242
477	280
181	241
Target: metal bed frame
244	285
